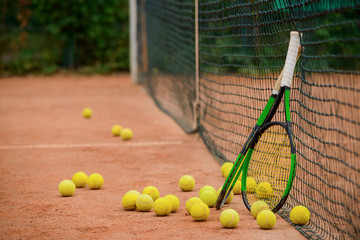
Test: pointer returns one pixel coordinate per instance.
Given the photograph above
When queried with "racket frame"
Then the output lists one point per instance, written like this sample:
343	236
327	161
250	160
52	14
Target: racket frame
265	117
289	67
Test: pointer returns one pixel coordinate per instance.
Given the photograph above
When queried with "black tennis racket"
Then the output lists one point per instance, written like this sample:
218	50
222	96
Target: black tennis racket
271	158
265	117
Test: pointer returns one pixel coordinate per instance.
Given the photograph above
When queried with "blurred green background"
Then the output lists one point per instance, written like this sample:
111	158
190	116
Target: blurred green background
43	37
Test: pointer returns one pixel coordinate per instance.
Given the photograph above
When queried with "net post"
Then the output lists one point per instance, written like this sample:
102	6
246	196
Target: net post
144	53
133	42
196	104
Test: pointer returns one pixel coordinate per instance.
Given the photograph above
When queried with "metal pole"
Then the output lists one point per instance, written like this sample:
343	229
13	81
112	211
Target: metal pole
133	42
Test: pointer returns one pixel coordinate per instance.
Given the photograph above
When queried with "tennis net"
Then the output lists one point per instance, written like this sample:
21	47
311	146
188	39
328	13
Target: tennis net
242	49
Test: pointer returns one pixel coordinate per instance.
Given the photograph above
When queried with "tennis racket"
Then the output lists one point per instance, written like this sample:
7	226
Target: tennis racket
265	117
271	157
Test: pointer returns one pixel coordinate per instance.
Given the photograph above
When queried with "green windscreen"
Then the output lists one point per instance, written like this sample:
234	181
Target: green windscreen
243	47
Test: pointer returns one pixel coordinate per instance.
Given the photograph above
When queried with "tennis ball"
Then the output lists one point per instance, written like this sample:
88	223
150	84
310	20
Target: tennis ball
174	201
80	179
266	219
209	197
230	197
95	181
225	166
186	183
205	188
151	191
162	207
144	203
191	201
116	130
264	190
250	185
129	200
229	218
126	134
87	113
200	211
227	172
257	207
134	191
66	188
237	188
299	215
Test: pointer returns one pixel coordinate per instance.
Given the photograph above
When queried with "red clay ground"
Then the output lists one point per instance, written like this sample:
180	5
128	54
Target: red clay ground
44	139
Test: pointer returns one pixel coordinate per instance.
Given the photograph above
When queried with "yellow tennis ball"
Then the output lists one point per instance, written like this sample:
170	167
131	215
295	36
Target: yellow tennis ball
225	166
134	191
187	183
257	207
129	200
266	219
66	188
191	201
237	188
116	130
264	190
250	185
205	188
209	197
95	181
144	203
227	172
151	191
229	218
126	134
300	215
162	207
174	202
80	179
87	113
200	211
230	197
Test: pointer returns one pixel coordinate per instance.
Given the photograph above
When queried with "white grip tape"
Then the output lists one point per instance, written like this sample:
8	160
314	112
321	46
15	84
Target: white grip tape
277	86
291	59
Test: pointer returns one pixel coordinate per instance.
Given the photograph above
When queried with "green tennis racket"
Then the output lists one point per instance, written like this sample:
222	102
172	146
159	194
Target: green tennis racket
271	157
265	117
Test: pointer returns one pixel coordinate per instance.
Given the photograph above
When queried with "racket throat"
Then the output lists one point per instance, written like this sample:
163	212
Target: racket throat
275	106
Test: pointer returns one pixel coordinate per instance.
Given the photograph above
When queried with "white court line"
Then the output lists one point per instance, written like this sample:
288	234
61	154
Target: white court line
88	145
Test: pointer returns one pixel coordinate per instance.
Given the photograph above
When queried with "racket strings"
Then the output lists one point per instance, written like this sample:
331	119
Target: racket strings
270	166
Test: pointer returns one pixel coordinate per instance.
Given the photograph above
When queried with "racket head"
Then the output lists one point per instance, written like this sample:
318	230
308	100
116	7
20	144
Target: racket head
273	162
266	116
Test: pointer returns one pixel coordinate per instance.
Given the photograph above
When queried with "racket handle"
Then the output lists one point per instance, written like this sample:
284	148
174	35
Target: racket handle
277	86
291	59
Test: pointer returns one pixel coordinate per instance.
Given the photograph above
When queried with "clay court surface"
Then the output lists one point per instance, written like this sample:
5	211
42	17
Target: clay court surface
44	139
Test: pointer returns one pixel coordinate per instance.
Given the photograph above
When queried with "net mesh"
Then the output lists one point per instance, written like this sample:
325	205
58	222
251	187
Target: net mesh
243	47
168	55
269	166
